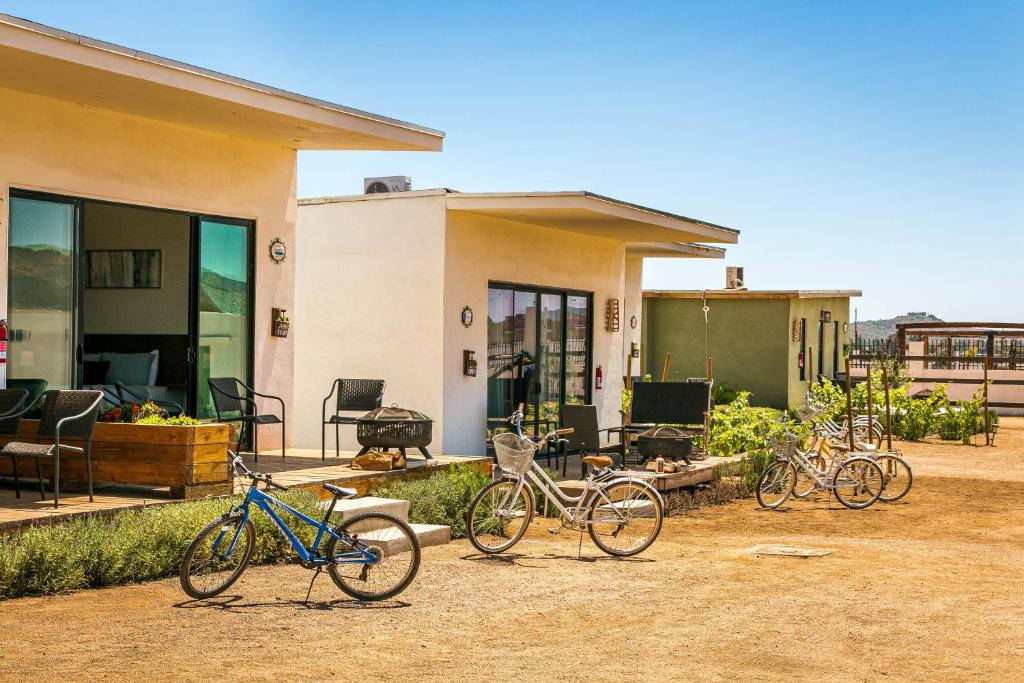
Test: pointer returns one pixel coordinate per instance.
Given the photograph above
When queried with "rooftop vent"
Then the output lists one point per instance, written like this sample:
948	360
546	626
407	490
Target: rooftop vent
391	183
734	277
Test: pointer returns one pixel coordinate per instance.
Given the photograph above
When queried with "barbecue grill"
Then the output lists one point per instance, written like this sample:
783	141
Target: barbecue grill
670	443
394	427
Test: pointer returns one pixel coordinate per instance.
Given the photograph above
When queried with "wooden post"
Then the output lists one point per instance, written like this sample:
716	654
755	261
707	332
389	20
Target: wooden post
888	410
664	368
710	368
871	401
849	406
629	372
988	440
809	362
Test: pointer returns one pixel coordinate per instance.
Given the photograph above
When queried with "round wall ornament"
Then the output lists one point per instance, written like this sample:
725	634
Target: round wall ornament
278	250
467	316
633	322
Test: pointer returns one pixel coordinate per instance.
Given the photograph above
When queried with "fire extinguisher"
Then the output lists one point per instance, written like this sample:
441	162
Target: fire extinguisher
3	341
800	362
598	378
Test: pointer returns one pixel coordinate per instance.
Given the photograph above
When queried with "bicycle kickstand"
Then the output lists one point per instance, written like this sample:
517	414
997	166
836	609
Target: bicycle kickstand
310	591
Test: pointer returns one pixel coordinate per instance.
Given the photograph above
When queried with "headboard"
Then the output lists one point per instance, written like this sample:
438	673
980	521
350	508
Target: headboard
173	366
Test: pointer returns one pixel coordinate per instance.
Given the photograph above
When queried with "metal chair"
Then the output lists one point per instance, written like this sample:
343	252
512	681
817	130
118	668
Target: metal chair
126	394
12	402
67	413
586	436
228	399
354	395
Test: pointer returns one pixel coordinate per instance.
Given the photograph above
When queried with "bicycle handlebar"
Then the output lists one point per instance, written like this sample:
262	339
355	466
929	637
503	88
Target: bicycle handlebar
238	465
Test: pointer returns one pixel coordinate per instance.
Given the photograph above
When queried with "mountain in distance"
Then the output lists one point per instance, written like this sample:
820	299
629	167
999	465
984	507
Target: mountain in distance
883	329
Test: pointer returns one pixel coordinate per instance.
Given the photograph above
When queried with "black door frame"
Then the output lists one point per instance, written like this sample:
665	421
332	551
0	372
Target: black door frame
78	240
564	293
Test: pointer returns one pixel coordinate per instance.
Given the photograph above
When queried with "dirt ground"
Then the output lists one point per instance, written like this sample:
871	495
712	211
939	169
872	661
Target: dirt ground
929	588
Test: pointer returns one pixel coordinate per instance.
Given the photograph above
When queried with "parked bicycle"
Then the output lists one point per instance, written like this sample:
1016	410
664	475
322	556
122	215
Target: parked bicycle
898	477
854	479
370	556
623	514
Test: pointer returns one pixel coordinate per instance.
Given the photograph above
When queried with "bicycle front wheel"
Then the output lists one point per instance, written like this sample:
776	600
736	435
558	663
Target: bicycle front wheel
394	556
499	516
857	482
217	556
775	484
625	518
897	477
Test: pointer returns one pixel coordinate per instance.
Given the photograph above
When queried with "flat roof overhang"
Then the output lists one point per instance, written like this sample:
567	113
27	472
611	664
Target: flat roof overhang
45	61
753	294
673	250
592	214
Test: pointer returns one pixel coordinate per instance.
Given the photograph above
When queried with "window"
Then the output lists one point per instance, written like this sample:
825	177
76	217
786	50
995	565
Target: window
538	353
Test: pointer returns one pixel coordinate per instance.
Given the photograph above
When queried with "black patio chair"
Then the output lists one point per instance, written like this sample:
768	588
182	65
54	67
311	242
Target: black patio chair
354	395
227	399
586	436
142	395
67	413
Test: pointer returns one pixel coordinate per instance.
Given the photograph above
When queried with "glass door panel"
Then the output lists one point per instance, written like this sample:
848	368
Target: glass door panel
42	291
500	356
223	343
549	360
577	348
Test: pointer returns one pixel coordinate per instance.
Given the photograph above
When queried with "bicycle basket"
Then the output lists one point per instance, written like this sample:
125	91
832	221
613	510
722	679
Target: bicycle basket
808	413
783	445
514	453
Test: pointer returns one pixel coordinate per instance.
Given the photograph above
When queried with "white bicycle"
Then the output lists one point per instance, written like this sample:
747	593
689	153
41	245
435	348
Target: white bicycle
622	513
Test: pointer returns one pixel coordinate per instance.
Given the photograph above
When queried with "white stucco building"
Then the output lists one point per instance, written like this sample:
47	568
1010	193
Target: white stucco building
385	284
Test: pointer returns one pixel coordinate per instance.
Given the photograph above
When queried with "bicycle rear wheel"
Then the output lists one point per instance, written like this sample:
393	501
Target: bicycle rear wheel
499	516
775	484
857	482
805	483
625	518
218	556
393	545
897	477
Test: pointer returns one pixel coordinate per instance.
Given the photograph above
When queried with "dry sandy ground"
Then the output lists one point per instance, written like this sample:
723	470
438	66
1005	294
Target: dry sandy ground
929	588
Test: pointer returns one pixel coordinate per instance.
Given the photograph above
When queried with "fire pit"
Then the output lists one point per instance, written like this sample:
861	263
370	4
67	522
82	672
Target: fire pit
668	442
394	427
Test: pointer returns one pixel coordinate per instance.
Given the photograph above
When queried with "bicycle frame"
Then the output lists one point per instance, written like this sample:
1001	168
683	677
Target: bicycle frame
266	502
573	507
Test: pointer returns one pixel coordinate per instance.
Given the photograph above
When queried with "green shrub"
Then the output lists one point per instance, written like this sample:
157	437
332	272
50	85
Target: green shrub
442	498
737	427
130	546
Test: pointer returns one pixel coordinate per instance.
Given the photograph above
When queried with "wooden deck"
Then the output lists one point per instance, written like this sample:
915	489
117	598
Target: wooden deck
299	468
700	472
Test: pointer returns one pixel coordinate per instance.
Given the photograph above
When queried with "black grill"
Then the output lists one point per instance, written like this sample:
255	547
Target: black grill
394	427
668	442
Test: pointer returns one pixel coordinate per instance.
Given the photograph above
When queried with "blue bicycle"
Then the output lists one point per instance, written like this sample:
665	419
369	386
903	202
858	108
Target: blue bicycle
370	556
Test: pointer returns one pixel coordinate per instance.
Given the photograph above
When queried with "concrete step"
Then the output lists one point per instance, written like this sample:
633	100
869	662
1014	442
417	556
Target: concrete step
432	534
426	534
348	507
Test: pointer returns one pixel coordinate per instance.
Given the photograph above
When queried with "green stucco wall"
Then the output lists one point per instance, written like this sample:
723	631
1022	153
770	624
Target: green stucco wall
811	310
748	340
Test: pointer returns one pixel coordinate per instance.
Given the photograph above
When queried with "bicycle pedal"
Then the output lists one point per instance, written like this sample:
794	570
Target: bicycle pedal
555	530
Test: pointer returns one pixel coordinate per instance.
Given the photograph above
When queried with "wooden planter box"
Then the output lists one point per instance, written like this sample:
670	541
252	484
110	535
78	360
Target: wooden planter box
191	461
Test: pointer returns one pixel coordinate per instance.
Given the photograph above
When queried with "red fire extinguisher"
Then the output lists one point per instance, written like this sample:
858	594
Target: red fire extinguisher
3	341
800	360
598	378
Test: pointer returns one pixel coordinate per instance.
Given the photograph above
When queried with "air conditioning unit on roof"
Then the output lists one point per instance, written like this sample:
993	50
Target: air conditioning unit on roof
391	183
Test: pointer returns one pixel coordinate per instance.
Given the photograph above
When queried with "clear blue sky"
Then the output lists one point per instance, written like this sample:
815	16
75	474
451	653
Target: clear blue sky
871	145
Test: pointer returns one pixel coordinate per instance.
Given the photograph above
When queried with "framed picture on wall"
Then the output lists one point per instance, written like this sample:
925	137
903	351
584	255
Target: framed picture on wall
123	269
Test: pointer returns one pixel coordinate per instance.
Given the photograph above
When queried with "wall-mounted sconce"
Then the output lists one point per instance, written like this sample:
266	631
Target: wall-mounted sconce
469	363
826	316
279	322
845	328
634	350
611	315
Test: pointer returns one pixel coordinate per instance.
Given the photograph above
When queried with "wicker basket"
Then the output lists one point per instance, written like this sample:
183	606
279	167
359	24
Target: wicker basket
514	453
784	445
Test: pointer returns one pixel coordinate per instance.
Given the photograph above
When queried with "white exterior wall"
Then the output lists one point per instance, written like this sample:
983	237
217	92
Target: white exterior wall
368	304
481	249
632	306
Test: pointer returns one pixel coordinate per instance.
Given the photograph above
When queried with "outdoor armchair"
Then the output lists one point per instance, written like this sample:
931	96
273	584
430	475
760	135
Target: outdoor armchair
353	395
586	436
142	395
67	414
229	400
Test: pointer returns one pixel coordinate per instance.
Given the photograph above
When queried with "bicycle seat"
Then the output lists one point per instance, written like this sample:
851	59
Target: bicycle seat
598	460
339	491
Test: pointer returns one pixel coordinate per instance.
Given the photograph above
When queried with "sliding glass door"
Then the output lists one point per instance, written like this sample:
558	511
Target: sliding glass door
538	353
43	291
223	330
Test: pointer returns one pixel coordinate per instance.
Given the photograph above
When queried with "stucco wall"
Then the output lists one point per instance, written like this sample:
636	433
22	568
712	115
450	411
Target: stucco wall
53	146
747	339
481	249
369	305
632	305
811	309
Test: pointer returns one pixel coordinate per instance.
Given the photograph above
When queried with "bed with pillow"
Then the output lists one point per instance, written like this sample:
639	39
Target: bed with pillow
161	372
